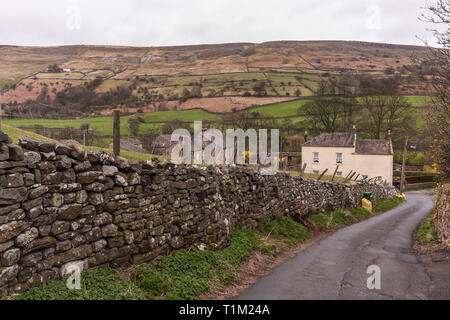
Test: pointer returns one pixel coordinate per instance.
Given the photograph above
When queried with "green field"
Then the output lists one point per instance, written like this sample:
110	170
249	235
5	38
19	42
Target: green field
104	125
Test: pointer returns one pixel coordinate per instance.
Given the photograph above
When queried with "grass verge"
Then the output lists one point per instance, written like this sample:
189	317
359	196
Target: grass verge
426	233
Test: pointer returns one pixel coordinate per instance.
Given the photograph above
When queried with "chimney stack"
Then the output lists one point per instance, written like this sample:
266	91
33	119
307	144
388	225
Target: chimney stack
306	136
388	137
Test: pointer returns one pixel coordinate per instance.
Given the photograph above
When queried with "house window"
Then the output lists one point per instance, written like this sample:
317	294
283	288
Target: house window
316	171
339	174
338	157
315	156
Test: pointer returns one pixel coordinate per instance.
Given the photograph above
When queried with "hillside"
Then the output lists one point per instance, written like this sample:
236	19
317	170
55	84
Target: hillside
221	78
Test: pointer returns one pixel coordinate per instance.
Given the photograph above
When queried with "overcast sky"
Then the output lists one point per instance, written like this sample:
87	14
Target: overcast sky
176	22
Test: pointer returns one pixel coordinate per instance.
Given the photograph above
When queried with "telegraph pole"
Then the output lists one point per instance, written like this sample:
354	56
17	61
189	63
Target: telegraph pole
402	176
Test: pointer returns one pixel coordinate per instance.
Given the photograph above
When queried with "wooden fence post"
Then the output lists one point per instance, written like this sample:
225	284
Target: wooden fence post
320	177
337	167
348	175
116	134
302	172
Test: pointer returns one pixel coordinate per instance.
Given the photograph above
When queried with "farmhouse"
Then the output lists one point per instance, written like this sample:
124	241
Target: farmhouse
371	159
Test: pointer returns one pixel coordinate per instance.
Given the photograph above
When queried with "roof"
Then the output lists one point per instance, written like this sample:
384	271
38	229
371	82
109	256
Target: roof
348	139
337	139
381	147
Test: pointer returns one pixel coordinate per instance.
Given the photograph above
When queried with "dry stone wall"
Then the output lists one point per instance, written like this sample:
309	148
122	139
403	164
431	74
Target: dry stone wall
60	204
442	220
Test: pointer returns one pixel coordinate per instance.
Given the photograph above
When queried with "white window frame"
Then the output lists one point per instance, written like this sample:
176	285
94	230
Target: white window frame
338	173
316	157
316	172
339	157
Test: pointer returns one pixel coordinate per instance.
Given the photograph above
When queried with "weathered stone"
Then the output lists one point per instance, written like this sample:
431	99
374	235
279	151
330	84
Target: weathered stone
35	212
31	259
16	153
99	245
10	257
72	254
120	180
66	187
52	178
82	197
89	177
6	245
37	192
27	237
13	195
62	246
32	158
46	167
12	229
109	230
47	147
176	242
4	152
48	156
64	162
4	138
57	200
103	218
59	227
28	179
28	205
63	149
109	171
7	274
8	209
28	143
95	187
83	166
69	211
95	199
134	179
128	236
14	180
39	244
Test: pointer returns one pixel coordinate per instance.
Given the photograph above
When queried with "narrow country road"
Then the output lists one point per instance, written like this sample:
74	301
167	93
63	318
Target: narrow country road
335	267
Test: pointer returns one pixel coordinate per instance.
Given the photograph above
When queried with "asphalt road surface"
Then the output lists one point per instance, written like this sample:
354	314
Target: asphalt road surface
336	266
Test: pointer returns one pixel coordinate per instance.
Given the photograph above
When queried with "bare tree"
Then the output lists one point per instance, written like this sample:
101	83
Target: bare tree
438	116
384	106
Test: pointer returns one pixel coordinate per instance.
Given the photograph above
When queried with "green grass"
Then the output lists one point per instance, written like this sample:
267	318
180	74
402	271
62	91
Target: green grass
284	228
16	133
185	275
426	232
99	284
339	217
386	204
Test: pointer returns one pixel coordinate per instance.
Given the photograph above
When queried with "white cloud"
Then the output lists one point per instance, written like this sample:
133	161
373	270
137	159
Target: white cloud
172	22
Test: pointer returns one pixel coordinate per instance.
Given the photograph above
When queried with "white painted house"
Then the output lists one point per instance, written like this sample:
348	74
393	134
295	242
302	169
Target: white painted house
368	158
